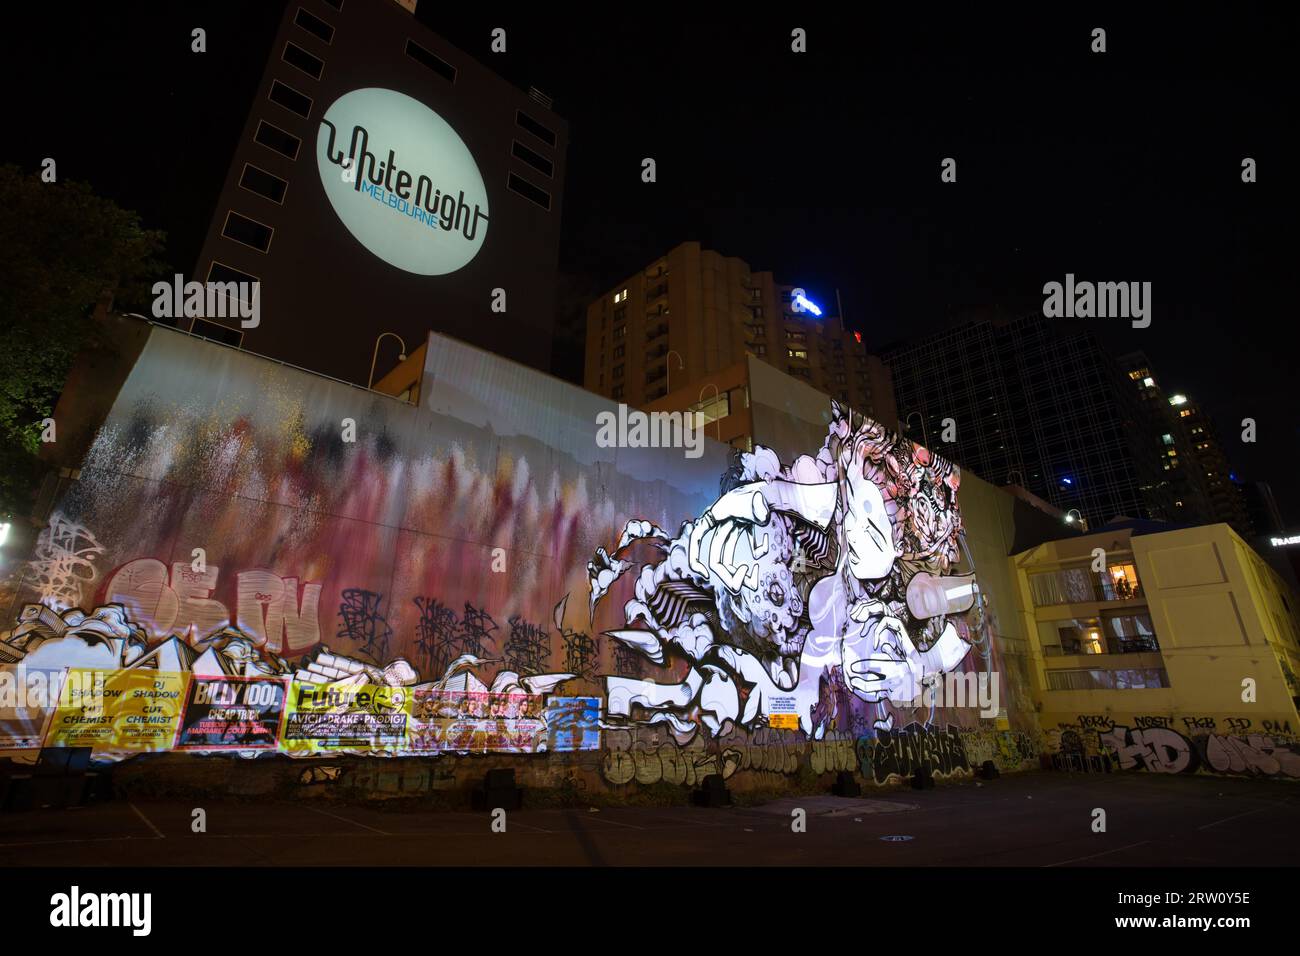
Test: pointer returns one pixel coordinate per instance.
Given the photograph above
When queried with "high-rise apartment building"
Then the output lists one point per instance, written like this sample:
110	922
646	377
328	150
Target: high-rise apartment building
1033	402
1172	445
386	182
694	312
1227	502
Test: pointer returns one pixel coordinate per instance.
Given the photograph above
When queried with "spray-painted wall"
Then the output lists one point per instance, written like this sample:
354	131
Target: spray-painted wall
330	571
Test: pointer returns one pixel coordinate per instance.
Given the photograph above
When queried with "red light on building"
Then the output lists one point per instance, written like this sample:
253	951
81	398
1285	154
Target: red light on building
857	337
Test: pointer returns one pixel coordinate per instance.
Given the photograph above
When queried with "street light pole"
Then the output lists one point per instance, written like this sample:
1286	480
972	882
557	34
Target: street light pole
908	423
374	358
681	364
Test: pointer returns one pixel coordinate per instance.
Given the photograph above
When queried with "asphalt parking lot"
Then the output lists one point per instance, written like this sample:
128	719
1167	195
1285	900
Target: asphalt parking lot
1036	819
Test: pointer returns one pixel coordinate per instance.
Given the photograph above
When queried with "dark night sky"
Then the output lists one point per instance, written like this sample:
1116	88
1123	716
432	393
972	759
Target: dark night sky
822	167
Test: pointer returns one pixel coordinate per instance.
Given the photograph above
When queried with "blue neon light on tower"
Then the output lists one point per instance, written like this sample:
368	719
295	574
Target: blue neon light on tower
799	302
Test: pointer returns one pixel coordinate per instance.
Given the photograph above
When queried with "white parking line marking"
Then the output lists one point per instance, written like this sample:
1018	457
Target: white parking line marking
1095	855
149	823
355	823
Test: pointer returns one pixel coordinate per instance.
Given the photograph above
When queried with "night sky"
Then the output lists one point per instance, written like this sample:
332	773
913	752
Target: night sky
822	167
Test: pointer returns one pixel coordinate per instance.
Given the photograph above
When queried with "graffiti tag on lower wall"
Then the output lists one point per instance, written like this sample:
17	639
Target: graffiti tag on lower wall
1175	744
903	753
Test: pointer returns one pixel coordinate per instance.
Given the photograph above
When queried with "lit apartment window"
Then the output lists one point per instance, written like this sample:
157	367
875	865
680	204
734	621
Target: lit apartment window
620	297
1167	439
797	353
1124	584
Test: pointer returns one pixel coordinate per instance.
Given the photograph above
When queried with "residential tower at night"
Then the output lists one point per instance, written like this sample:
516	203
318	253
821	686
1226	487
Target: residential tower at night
386	181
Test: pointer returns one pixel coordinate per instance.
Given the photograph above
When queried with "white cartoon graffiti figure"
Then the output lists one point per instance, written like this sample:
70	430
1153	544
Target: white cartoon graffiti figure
802	588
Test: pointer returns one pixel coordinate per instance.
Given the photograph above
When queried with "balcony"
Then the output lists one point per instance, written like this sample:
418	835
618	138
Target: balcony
657	292
655	374
1082	585
656	333
1139	677
655	353
1120	638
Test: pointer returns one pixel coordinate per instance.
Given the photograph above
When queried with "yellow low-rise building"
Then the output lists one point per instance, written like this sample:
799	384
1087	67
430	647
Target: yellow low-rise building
1166	650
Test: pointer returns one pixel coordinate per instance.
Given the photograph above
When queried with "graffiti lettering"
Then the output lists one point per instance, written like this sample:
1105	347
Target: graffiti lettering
1095	722
1253	754
528	646
437	635
1144	722
286	622
902	753
1159	749
63	562
362	622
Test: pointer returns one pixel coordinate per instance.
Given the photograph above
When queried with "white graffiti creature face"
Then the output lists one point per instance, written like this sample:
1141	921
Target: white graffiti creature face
868	535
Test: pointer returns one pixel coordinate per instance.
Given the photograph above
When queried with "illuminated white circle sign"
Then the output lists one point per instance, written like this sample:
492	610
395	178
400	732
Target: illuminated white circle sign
402	181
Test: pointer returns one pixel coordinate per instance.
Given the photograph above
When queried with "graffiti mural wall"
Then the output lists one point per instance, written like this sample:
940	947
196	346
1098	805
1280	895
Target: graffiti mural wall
258	560
1175	744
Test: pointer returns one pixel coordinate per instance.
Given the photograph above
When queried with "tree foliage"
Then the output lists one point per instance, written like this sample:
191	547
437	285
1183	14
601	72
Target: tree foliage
61	249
